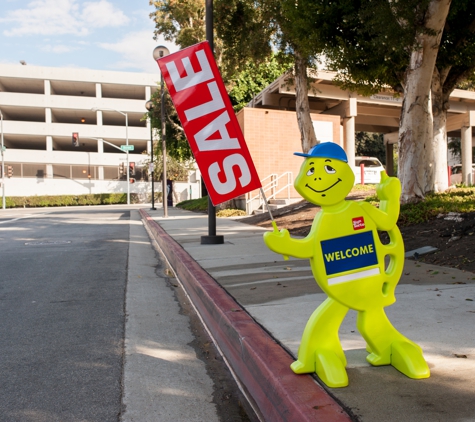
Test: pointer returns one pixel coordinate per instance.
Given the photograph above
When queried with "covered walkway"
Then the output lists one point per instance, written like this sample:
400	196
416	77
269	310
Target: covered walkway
379	113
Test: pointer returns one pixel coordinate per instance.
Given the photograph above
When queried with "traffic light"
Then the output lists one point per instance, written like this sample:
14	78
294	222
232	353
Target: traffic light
121	169
131	169
9	171
75	139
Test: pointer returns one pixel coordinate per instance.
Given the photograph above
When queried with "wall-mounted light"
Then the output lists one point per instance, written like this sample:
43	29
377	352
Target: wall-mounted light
83	120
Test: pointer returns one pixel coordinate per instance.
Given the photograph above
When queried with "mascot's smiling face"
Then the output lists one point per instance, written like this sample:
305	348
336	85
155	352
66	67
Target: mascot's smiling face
325	177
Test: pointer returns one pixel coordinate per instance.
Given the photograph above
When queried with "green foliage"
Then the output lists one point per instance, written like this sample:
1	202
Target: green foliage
245	31
455	200
180	21
247	64
253	79
369	42
454	146
68	200
200	204
176	142
177	169
370	144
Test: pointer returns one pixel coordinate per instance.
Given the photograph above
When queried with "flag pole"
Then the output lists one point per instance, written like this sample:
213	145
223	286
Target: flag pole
274	224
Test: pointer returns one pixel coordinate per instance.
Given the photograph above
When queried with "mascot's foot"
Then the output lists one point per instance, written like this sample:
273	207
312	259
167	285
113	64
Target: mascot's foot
301	368
407	358
378	360
330	369
327	365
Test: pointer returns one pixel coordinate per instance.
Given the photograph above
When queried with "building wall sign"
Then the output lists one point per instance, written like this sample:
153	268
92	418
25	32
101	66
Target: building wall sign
389	98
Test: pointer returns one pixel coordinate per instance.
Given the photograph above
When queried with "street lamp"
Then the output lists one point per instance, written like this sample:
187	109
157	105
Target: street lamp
3	162
159	52
149	107
126	142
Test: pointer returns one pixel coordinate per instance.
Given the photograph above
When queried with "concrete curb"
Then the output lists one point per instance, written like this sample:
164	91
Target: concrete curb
260	363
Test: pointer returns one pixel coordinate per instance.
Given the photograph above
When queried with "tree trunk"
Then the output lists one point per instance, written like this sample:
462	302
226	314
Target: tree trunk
440	105
416	169
302	106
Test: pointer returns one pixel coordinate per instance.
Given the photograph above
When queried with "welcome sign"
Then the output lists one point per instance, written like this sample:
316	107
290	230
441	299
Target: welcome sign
209	122
348	253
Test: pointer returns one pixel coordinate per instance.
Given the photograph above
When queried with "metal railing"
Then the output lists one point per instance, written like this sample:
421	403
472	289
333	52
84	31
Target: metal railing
270	187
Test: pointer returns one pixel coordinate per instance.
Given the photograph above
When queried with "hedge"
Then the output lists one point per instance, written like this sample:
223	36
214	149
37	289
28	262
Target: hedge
68	200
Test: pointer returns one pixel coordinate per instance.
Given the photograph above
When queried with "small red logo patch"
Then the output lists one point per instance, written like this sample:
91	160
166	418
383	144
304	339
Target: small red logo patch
358	223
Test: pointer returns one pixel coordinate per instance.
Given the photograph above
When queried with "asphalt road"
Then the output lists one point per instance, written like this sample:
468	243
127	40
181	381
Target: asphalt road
94	327
62	291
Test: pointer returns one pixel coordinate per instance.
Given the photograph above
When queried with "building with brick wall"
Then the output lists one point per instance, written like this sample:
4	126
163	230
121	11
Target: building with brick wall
272	137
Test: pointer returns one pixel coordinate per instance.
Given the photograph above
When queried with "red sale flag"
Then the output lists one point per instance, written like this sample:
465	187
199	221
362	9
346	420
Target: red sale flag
207	116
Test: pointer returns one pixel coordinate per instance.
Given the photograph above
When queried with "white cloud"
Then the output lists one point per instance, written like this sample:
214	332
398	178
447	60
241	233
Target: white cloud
57	49
103	14
136	49
60	17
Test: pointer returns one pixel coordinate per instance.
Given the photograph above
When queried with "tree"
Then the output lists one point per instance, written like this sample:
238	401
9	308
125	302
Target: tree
177	145
183	22
180	21
455	66
377	45
244	86
251	28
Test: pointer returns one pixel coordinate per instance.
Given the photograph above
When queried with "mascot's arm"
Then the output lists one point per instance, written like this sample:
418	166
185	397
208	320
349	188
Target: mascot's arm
389	192
281	243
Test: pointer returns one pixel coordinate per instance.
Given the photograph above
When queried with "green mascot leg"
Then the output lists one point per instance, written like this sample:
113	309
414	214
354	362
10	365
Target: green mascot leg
389	347
320	349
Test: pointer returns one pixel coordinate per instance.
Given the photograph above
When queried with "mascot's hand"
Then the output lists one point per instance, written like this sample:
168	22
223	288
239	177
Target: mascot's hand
278	241
389	187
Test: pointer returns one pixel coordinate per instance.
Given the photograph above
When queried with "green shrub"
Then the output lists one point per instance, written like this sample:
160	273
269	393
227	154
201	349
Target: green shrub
230	213
455	200
67	200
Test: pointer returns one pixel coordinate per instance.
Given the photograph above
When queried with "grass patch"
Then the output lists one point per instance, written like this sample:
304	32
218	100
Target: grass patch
455	200
363	188
200	204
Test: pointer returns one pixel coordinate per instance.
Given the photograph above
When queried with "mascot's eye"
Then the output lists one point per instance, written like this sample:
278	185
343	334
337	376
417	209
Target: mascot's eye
330	170
310	171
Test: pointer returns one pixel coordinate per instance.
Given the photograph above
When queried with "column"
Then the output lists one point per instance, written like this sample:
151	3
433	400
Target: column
47	87
349	130
466	150
349	139
100	150
99	117
49	171
98	91
49	143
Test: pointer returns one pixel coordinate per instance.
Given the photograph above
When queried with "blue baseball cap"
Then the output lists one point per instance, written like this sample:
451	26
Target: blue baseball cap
325	150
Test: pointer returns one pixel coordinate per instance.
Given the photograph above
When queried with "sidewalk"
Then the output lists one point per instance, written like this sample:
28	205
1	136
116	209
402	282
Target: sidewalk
435	308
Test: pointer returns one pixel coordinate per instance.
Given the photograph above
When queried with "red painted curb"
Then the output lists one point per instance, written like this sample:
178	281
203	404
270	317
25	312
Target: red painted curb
259	362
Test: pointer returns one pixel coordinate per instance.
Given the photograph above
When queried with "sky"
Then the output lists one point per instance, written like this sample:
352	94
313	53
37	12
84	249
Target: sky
93	34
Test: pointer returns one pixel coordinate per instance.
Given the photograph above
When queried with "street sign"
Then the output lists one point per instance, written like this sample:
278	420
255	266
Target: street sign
127	147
